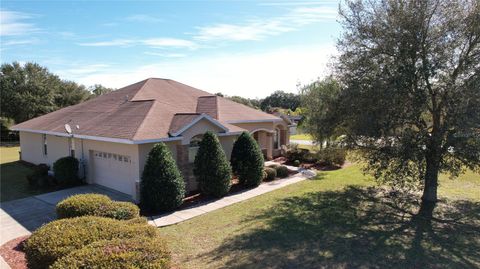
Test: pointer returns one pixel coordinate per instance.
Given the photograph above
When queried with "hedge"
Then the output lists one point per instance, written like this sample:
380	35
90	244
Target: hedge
96	205
59	238
271	173
211	167
66	170
247	160
282	171
126	253
162	186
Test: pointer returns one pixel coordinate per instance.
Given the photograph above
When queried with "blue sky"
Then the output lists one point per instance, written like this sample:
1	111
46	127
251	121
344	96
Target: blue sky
247	48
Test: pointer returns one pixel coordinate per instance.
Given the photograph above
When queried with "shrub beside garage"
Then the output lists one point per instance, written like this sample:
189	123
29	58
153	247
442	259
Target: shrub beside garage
96	205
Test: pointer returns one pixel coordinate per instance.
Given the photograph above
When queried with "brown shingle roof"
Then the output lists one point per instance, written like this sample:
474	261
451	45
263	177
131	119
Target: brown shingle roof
144	110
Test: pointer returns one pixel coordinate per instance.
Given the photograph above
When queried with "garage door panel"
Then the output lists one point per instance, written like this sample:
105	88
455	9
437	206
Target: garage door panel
113	171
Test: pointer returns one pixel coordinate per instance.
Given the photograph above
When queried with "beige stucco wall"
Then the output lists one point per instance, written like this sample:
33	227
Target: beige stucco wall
253	126
144	149
200	127
31	146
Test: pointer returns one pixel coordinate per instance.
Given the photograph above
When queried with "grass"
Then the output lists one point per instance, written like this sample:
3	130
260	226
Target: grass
338	220
301	137
13	181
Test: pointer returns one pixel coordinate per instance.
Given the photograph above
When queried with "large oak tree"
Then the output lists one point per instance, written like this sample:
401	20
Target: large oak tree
410	88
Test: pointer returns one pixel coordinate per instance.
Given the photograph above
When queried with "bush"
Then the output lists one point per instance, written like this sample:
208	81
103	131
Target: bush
40	177
247	160
332	156
274	165
282	171
126	253
96	205
296	153
66	170
59	238
211	167
296	163
271	174
162	186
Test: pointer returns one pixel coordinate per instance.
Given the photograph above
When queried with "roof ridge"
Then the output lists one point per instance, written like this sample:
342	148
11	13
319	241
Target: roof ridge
144	119
140	90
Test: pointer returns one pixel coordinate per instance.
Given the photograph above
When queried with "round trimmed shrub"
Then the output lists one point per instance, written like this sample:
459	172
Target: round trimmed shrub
162	186
96	205
66	170
271	174
59	238
296	163
126	253
247	160
282	171
211	167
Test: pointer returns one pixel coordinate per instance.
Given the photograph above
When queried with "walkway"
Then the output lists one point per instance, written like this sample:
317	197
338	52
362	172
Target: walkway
185	214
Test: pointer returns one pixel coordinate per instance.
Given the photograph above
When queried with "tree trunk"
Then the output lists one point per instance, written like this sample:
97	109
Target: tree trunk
431	181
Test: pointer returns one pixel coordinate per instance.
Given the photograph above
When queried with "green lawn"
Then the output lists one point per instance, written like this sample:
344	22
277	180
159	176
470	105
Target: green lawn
13	182
301	137
337	220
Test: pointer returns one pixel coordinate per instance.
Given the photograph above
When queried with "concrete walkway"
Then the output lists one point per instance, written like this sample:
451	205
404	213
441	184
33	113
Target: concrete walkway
188	213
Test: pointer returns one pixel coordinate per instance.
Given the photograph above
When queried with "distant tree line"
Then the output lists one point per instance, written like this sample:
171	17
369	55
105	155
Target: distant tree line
277	101
30	90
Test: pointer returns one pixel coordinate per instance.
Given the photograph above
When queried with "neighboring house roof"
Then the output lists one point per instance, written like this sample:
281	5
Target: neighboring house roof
147	110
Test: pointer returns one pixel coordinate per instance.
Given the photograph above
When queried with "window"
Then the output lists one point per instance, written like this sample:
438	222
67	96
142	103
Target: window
193	147
45	149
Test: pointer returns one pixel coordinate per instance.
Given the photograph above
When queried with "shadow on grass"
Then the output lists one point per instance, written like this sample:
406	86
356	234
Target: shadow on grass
357	228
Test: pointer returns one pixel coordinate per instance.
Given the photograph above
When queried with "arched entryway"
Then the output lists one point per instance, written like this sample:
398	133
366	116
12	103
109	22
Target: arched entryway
263	138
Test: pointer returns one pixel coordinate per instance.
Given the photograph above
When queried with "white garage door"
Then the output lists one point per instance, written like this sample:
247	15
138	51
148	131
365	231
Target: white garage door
113	171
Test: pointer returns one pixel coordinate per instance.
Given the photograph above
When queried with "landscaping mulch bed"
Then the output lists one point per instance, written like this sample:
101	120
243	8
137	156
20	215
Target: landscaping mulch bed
12	252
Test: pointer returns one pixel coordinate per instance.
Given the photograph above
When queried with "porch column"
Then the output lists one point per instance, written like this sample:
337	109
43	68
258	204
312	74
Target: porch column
269	145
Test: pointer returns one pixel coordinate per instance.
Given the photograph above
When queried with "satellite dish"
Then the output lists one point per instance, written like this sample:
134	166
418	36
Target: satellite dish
78	126
68	128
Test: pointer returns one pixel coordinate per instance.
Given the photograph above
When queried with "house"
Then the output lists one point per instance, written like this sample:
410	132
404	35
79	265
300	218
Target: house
112	134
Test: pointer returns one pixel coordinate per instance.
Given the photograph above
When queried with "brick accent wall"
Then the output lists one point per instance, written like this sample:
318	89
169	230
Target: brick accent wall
186	168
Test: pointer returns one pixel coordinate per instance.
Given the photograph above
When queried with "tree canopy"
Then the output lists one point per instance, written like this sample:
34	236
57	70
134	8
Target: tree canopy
409	80
317	100
281	99
30	90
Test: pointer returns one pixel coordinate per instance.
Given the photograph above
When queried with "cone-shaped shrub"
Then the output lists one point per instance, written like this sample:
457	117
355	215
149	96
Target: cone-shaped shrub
211	167
247	160
162	186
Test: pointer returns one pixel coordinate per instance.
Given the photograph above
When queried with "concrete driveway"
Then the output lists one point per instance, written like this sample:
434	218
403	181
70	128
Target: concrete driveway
21	217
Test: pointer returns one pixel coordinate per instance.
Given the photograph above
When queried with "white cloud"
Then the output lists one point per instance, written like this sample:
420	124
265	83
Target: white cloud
151	42
253	30
258	29
114	42
249	75
13	23
17	42
169	42
166	55
84	69
143	18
